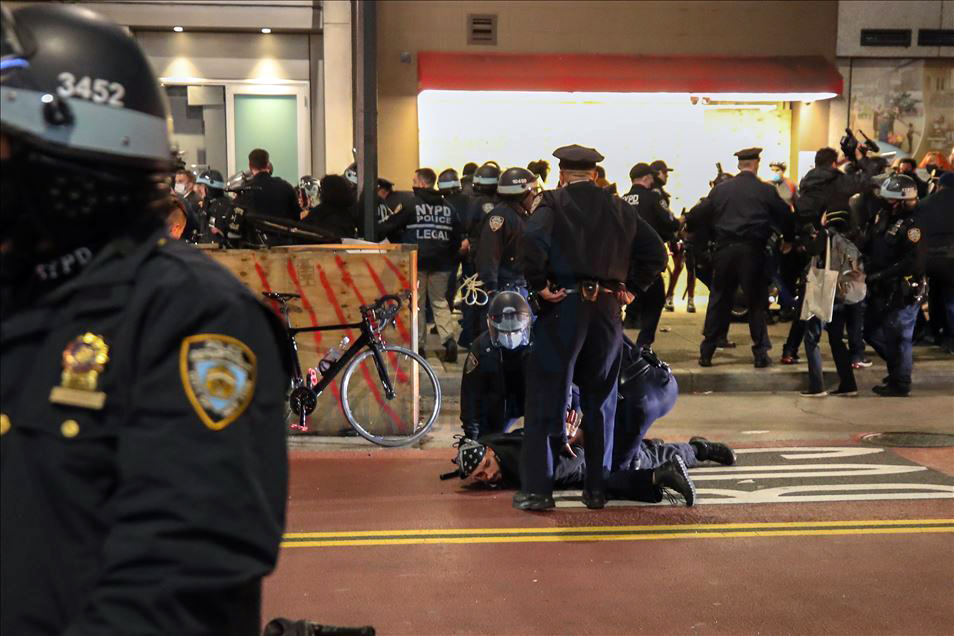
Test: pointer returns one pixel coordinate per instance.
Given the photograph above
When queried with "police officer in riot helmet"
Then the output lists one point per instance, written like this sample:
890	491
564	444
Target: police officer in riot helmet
740	215
496	259
214	208
484	200
582	251
136	385
492	391
896	284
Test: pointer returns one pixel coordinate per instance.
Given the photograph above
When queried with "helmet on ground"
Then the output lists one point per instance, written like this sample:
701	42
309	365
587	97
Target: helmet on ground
311	190
899	187
508	320
516	182
487	175
448	182
212	179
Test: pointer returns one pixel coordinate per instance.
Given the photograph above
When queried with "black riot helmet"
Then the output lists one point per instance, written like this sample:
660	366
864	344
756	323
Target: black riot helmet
88	127
508	320
448	182
516	182
486	177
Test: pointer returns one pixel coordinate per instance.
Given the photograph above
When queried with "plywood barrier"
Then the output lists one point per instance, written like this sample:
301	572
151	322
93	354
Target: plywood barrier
334	281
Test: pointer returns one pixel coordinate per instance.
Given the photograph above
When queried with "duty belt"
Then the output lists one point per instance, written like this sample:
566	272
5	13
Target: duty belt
589	289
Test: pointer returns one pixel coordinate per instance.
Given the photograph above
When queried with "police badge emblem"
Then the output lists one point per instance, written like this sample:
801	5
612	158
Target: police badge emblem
914	235
218	374
496	222
470	365
487	207
84	358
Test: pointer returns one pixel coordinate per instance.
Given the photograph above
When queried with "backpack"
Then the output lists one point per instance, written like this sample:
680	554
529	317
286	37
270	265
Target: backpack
846	257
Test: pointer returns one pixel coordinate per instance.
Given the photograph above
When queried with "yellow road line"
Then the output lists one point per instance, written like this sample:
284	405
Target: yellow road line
634	533
560	530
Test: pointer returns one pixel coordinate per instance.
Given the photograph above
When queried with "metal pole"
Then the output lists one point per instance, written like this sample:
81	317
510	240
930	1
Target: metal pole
366	111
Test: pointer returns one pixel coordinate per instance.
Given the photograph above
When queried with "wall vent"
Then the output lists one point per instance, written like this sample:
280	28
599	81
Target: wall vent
481	29
935	37
886	37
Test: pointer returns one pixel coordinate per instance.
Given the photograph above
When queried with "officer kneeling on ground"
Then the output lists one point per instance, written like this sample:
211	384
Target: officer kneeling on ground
144	470
896	285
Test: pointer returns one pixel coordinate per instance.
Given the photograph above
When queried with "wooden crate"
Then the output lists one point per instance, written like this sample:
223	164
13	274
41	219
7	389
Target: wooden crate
334	281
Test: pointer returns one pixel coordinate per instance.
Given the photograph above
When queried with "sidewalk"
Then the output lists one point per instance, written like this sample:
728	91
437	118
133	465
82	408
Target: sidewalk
677	343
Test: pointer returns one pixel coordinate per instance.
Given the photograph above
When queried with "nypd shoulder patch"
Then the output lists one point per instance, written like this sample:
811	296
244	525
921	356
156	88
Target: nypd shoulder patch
470	365
496	222
914	235
218	375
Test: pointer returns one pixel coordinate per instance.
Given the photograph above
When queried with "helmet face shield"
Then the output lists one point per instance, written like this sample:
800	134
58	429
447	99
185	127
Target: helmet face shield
509	320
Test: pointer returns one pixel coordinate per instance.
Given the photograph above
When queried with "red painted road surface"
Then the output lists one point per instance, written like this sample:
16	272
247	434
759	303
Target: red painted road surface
878	583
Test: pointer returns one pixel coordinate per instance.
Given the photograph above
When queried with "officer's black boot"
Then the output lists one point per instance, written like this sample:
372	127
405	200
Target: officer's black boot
450	350
673	475
712	451
594	499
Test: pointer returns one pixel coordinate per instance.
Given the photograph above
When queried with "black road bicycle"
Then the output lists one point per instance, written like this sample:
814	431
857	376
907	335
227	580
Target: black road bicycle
389	394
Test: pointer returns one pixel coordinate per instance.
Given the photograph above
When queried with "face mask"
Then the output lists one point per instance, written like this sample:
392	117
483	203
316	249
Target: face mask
512	339
777	178
180	188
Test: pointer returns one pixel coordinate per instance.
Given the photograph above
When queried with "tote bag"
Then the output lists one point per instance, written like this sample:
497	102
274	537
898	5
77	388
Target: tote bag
820	287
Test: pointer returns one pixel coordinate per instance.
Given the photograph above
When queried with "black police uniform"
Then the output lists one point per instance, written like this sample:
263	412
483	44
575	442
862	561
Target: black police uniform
895	268
651	205
578	235
497	248
936	221
493	388
148	497
472	221
742	213
270	196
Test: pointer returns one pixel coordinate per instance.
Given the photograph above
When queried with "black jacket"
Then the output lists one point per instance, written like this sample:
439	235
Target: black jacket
498	244
894	254
935	217
429	222
271	196
334	215
160	509
568	472
827	189
492	388
744	209
581	232
653	208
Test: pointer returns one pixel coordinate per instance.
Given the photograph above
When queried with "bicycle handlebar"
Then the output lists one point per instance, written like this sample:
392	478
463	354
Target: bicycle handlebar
382	312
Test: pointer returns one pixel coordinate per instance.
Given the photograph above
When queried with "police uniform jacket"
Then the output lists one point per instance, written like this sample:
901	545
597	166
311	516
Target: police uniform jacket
498	244
935	217
472	220
492	389
143	485
581	232
652	207
744	209
270	196
894	251
427	220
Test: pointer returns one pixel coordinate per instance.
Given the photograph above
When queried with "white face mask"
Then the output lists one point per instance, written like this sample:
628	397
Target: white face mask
180	188
512	339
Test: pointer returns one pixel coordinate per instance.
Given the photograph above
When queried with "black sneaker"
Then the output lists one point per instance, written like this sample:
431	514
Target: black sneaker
705	361
891	390
532	501
762	361
450	350
843	393
674	476
712	451
594	500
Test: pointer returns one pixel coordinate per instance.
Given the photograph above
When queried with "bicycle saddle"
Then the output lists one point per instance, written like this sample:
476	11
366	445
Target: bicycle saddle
280	296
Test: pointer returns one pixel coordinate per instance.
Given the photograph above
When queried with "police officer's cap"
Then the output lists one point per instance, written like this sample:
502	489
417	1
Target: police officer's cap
747	154
577	157
659	165
211	178
640	170
448	180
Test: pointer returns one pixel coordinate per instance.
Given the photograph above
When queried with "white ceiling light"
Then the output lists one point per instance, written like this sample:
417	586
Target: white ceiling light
266	30
177	29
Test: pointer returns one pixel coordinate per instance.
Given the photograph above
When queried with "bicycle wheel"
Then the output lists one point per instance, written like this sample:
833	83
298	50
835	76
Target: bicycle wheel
405	418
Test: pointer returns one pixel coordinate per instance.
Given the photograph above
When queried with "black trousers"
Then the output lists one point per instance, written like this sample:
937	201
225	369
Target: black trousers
574	341
650	304
733	265
840	353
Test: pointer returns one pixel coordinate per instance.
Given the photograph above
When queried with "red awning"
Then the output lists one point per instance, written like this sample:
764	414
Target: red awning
626	73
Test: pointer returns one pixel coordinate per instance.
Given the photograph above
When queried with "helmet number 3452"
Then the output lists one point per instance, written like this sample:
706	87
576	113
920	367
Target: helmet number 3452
99	91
